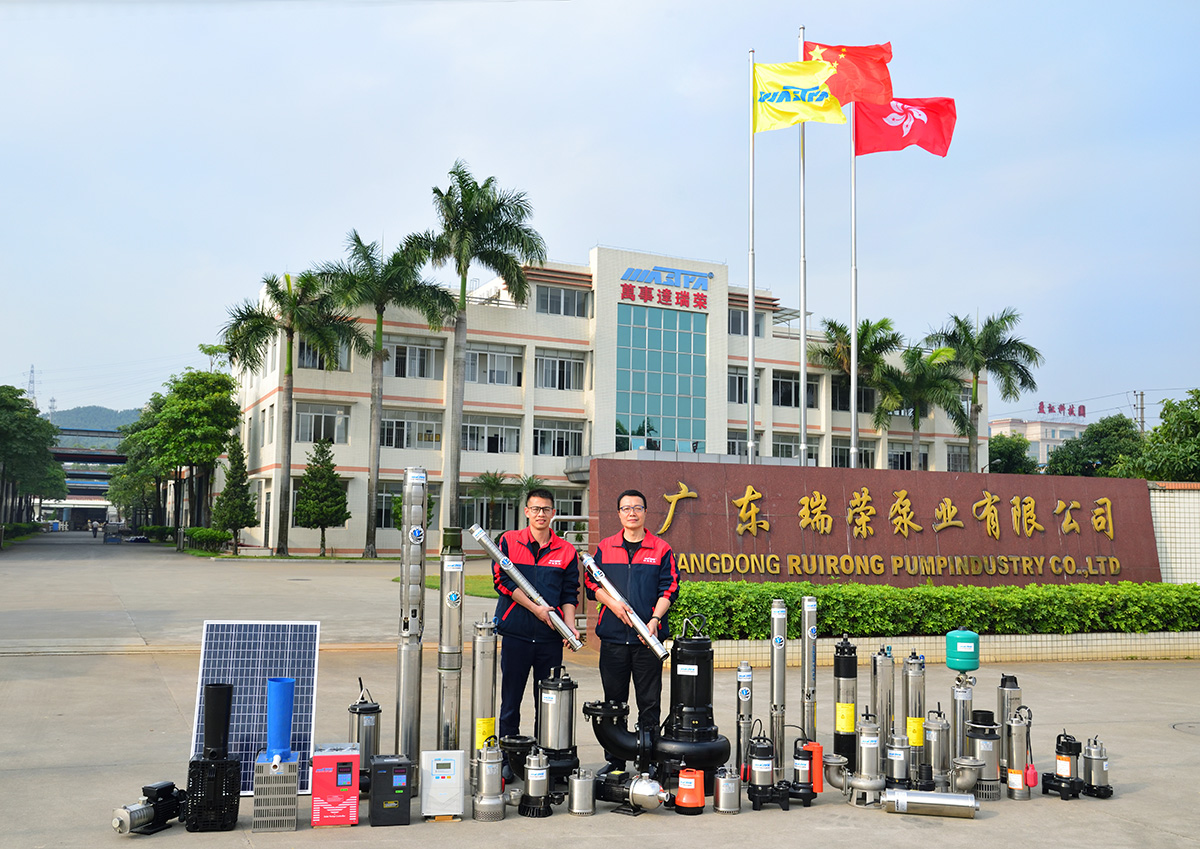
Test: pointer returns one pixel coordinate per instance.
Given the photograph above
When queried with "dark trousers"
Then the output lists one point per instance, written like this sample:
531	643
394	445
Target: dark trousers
517	659
620	663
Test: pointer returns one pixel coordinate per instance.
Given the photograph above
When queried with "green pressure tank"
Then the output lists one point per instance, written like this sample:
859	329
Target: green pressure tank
962	650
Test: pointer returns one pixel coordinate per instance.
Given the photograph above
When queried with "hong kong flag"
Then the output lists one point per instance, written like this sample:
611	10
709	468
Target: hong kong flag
927	122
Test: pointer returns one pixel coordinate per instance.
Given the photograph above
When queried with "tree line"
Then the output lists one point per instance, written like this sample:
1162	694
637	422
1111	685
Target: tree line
28	470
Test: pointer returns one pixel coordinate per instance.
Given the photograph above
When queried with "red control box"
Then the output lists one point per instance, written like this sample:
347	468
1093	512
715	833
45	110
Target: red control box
335	784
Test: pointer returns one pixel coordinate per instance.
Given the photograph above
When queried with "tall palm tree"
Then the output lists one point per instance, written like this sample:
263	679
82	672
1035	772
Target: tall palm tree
992	348
927	380
485	224
300	306
876	339
364	279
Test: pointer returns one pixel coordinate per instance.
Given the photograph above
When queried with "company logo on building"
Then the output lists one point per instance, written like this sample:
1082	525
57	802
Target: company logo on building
660	276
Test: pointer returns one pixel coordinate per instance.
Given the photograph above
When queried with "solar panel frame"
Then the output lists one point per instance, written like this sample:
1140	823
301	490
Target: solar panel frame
246	653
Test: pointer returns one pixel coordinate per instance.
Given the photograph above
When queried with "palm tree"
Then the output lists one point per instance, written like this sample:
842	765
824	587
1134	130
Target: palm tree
364	279
294	307
526	484
989	347
485	224
927	380
491	487
876	339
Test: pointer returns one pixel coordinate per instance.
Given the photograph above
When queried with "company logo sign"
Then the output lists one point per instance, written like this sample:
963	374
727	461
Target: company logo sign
660	276
791	93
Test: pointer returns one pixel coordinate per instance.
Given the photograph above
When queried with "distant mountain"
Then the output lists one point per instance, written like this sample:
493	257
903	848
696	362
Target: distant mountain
94	418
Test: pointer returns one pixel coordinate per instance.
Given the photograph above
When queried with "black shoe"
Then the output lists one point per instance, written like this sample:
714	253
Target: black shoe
611	766
506	773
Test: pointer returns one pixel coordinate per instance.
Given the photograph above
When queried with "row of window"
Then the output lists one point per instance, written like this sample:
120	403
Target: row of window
785	390
787	445
498	365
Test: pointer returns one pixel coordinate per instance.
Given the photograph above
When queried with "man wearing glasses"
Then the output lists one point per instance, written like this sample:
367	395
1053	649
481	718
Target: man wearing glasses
642	568
530	642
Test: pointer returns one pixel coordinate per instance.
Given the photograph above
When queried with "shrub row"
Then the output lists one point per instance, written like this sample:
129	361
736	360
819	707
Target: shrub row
158	533
207	539
741	610
20	529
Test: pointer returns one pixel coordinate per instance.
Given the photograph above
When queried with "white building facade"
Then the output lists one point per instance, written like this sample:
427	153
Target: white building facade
1043	436
633	351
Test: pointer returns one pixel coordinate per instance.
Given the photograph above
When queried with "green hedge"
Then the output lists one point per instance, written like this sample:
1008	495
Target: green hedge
20	529
158	533
741	610
207	539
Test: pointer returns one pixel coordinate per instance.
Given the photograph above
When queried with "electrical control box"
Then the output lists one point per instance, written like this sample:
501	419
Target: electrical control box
443	783
335	784
391	790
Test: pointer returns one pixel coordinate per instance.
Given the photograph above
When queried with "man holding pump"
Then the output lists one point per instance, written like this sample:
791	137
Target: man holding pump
642	568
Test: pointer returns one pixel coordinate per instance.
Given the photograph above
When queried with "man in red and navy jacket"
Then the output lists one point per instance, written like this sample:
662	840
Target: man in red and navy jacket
530	642
642	568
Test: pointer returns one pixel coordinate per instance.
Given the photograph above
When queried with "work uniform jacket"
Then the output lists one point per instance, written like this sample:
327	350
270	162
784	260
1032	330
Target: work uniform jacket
554	572
643	579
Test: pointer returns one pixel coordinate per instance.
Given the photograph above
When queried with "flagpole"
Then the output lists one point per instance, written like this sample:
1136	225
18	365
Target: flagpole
750	306
853	304
803	301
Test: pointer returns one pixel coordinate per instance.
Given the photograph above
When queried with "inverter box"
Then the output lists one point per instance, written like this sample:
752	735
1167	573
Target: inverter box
335	784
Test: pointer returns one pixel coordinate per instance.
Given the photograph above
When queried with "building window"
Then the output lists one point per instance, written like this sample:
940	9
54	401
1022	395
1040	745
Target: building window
840	454
785	390
262	428
785	445
958	458
419	358
557	438
900	456
812	455
841	396
420	429
309	357
568	503
315	422
814	391
499	365
270	424
388	501
558	369
662	377
553	300
737	385
735	442
738	323
274	350
491	434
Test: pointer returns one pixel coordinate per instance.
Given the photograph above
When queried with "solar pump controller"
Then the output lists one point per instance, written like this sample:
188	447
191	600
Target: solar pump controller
443	783
391	791
335	784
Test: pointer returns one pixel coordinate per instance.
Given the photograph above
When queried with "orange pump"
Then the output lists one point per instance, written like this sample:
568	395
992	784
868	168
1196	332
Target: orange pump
689	798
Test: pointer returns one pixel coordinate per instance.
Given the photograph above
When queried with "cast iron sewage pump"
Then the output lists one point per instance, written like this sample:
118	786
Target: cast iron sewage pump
763	789
689	737
1065	780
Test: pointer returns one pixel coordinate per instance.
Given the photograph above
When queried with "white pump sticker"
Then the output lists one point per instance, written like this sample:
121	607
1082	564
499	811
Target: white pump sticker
452	566
549	697
690	669
870	742
537	774
748	674
900	796
1016	777
688	783
893	754
778	612
809	603
969	647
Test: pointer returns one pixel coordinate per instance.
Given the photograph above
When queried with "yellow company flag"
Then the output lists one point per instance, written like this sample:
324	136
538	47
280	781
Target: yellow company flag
787	93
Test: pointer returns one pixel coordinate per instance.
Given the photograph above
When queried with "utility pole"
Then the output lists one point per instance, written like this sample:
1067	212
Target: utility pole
1142	410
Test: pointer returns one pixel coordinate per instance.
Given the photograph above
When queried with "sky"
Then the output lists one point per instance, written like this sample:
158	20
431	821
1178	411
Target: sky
160	158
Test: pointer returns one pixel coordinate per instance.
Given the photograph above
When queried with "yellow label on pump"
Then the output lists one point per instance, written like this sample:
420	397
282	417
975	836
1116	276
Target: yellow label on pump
485	726
916	731
844	720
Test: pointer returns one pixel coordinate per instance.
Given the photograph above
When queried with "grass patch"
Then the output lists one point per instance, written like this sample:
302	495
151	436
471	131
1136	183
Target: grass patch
479	586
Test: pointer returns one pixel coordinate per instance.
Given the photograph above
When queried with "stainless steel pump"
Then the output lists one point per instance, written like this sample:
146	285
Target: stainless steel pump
412	618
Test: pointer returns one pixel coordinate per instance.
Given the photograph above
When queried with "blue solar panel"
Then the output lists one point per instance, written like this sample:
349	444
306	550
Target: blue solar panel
245	654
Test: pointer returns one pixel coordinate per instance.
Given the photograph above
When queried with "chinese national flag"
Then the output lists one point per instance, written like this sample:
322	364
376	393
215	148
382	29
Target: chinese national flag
861	72
927	122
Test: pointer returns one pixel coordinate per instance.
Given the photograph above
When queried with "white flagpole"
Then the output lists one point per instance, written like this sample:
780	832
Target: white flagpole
750	306
853	305
803	301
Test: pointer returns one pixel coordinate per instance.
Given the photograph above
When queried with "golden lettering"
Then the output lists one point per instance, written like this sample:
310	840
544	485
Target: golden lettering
985	511
748	513
812	513
684	492
860	513
1102	520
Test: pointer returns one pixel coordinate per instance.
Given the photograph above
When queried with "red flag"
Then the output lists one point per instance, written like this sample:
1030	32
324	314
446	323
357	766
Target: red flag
862	72
924	121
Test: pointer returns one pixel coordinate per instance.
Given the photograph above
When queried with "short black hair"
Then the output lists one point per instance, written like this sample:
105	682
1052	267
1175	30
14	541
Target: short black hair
634	492
540	492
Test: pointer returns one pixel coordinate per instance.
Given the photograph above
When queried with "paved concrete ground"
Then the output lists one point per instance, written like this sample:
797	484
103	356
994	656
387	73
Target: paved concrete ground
98	663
